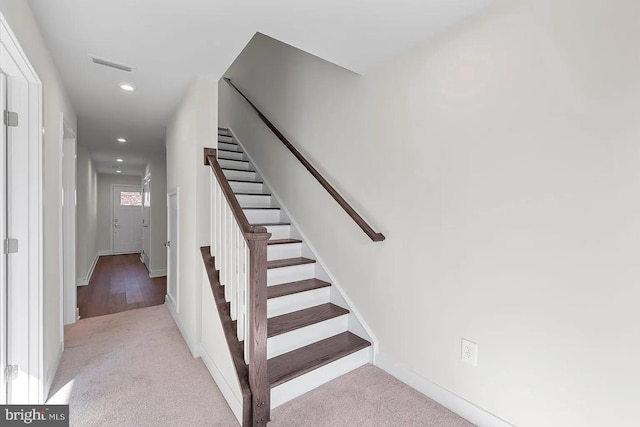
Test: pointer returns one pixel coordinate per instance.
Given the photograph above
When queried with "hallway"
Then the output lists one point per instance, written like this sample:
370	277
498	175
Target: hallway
120	283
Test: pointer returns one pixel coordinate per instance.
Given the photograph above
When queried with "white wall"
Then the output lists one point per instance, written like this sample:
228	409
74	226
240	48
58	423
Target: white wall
193	127
103	223
501	162
86	213
21	20
157	170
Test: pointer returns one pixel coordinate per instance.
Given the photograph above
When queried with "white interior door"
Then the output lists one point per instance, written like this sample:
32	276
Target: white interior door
3	236
126	221
21	235
16	230
68	222
146	218
172	249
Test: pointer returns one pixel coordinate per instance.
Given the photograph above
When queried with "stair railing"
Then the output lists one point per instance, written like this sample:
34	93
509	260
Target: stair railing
240	251
373	235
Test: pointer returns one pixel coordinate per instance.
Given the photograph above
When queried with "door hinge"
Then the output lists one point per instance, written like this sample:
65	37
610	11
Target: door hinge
10	246
10	373
11	118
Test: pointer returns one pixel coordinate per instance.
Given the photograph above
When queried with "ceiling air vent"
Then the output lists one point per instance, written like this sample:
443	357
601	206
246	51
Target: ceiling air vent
111	64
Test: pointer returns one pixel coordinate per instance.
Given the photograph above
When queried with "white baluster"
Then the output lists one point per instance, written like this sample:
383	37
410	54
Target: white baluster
233	258
224	252
212	209
245	300
241	288
228	263
219	197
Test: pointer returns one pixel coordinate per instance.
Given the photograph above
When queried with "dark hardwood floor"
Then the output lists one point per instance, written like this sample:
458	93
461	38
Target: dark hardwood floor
119	283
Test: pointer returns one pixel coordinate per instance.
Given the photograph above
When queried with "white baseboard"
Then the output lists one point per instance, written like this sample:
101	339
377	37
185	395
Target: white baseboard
446	398
50	374
157	273
187	338
232	400
121	253
84	281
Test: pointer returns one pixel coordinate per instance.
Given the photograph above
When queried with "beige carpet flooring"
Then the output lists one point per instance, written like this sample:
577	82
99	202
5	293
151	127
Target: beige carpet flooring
134	369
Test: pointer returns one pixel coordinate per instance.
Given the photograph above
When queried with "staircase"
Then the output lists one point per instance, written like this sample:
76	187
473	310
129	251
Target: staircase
308	338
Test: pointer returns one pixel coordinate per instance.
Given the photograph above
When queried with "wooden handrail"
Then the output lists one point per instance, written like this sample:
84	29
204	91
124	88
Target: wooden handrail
373	235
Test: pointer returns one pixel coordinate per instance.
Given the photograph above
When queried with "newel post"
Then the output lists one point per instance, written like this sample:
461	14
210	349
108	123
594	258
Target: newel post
257	308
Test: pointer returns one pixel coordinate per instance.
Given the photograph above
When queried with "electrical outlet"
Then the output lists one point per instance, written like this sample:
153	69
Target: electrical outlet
469	352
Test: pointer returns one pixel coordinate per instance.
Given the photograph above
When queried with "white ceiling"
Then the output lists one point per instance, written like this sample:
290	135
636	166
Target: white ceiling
169	42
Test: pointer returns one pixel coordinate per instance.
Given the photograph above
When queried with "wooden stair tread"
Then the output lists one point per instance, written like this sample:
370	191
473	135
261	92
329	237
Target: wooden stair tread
259	208
235	160
265	224
236	169
245	180
288	262
283	241
301	318
229	151
290	288
251	194
302	360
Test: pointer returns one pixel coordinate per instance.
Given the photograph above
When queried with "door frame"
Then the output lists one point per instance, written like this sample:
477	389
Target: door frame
67	226
113	186
174	248
33	342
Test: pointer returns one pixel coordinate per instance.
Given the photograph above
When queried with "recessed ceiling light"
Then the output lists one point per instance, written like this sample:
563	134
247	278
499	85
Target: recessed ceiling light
119	160
127	87
121	140
118	171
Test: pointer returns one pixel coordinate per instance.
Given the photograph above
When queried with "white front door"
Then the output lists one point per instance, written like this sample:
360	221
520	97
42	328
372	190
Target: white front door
126	221
172	250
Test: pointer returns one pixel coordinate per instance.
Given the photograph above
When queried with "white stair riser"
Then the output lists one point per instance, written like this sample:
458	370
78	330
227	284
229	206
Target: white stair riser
223	138
234	164
229	147
247	187
241	175
293	340
277	276
254	201
288	250
256	216
298	301
223	131
307	382
279	231
227	155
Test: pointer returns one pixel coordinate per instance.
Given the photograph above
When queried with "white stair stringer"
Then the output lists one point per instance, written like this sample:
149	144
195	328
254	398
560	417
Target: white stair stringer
262	208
